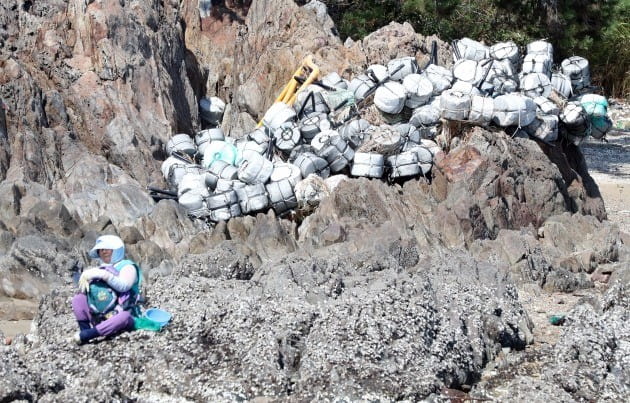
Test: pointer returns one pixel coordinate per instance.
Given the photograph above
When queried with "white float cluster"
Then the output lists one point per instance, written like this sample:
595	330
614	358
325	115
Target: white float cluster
324	133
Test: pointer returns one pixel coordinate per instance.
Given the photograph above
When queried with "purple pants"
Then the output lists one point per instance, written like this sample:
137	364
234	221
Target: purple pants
117	323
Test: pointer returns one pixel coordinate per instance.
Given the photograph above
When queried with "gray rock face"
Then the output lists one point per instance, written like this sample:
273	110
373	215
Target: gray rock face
227	260
587	363
527	388
47	261
591	358
582	242
564	255
15	380
315	327
93	135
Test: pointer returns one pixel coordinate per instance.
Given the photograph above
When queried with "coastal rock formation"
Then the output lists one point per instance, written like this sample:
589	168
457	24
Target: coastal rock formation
386	291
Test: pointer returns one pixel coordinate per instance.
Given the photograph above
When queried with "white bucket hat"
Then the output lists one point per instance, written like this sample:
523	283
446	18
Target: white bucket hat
109	242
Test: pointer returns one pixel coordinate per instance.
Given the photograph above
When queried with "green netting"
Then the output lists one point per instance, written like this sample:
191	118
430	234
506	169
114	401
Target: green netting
144	323
338	99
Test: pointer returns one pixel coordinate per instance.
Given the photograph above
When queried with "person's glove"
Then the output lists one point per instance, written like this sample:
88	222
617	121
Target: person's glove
92	274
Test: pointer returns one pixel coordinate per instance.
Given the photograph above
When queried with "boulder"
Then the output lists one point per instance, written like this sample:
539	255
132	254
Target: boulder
590	358
579	242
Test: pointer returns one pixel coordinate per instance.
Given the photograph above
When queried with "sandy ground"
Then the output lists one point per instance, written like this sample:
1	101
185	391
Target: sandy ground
609	165
14	316
10	328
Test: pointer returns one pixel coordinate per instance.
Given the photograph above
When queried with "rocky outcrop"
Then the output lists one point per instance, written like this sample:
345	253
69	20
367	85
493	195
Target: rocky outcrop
586	364
89	84
489	183
370	323
386	291
591	357
567	253
91	105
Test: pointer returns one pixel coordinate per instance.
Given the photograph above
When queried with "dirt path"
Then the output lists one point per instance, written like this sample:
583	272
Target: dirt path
609	165
10	328
15	316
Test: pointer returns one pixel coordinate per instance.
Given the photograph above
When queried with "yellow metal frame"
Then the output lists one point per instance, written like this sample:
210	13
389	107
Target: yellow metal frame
290	91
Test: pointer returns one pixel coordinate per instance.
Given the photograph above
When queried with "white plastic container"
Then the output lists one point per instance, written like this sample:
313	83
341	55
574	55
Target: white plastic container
191	201
471	50
174	169
471	71
310	163
278	114
219	150
535	84
505	51
262	136
537	63
310	102
225	185
222	169
546	106
562	84
223	206
464	87
390	97
355	132
255	169
287	136
252	198
403	165
244	148
205	137
419	90
425	158
181	143
544	127
312	125
440	77
481	110
193	182
377	71
401	67
540	48
281	196
211	110
575	118
577	69
333	149
285	170
454	105
426	115
334	80
360	85
513	110
368	165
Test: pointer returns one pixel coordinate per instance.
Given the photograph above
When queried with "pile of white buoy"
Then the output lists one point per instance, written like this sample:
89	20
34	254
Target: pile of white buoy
300	152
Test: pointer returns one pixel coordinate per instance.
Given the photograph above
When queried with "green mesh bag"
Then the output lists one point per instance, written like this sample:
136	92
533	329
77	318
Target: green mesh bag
338	99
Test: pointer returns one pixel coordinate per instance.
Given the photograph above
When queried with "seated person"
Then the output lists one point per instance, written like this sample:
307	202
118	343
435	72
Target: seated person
119	274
